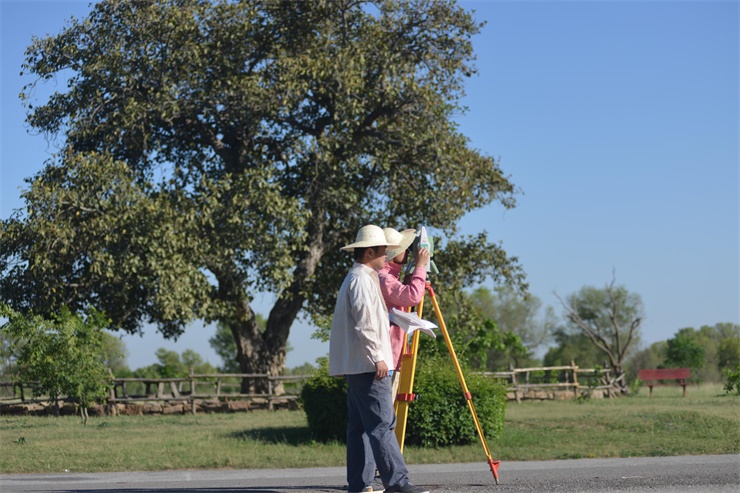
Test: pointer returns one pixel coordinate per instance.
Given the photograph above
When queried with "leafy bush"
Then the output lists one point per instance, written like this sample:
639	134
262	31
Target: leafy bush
635	386
733	380
440	416
324	400
64	353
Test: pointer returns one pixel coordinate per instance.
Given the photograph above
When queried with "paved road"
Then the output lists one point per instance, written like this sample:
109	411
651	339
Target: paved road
711	474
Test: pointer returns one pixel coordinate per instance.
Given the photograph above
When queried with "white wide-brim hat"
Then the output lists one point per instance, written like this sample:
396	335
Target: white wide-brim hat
404	240
369	236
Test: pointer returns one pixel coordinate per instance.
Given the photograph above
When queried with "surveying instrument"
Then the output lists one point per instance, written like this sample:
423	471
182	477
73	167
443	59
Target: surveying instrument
405	395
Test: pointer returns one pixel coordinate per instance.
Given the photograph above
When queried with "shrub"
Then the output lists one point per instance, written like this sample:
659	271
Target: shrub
64	353
635	386
733	380
440	416
324	400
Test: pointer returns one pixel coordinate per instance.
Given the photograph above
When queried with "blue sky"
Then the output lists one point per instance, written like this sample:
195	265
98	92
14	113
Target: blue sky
618	121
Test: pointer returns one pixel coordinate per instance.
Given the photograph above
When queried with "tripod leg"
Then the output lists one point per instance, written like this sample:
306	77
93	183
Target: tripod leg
468	398
406	386
405	389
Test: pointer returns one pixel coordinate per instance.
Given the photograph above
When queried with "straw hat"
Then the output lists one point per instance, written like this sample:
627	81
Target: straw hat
369	236
403	239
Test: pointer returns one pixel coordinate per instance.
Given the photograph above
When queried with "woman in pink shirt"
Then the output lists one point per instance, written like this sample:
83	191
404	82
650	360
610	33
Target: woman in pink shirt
401	294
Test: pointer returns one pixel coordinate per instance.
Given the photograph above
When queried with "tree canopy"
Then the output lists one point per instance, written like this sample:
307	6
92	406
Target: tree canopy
217	149
684	350
708	351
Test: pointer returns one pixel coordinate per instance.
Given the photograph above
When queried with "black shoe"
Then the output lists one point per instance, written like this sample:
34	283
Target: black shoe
409	488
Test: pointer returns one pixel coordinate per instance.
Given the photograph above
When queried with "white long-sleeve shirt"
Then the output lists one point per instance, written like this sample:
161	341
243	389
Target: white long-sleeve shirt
360	329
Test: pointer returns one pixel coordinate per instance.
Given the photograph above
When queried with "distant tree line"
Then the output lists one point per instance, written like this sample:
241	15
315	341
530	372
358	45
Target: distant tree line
710	352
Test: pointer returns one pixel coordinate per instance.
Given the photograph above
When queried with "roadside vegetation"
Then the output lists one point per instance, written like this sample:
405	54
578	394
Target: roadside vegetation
706	421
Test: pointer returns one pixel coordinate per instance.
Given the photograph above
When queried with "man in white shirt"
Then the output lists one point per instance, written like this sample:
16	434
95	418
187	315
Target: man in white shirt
360	351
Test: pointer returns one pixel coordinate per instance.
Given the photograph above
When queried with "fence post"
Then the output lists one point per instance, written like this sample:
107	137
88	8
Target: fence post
575	378
192	391
269	393
111	393
512	375
608	378
514	383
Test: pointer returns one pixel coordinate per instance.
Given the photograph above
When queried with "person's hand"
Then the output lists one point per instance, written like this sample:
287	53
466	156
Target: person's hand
381	370
422	257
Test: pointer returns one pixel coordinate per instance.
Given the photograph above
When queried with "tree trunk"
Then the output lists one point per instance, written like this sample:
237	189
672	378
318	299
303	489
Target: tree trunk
252	355
264	352
620	380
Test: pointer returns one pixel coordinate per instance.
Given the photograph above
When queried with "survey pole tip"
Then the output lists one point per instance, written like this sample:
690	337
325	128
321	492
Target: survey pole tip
494	468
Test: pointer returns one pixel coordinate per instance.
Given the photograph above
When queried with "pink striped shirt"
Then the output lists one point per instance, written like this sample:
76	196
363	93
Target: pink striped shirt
399	295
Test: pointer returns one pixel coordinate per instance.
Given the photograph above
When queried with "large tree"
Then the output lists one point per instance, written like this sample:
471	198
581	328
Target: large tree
217	149
610	318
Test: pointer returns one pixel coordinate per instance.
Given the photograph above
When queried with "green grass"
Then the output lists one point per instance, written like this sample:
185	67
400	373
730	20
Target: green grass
705	422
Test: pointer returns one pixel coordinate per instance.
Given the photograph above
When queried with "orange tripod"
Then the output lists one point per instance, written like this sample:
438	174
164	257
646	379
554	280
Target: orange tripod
405	393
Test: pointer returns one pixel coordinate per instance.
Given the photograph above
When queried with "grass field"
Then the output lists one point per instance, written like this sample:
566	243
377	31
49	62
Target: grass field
705	422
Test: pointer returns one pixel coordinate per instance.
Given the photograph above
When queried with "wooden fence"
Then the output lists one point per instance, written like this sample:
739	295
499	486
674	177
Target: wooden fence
225	387
217	385
189	390
566	378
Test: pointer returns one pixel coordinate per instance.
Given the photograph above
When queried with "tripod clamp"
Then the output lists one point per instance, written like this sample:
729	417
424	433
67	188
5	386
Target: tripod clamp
406	397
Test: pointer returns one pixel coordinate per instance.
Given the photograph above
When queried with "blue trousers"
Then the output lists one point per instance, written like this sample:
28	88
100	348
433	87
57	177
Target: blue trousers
371	421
